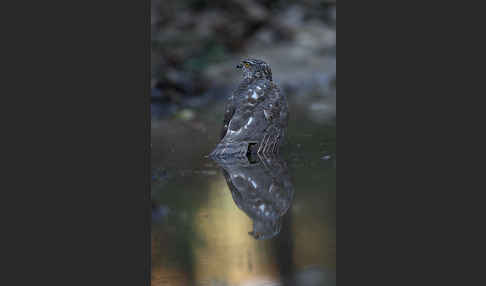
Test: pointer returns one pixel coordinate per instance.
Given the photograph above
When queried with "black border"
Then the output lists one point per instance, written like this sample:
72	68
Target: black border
148	165
77	152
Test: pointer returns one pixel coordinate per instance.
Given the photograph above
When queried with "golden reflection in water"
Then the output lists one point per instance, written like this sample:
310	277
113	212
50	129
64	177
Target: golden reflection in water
168	277
165	276
227	253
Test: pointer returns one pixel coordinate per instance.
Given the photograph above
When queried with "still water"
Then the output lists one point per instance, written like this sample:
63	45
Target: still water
267	221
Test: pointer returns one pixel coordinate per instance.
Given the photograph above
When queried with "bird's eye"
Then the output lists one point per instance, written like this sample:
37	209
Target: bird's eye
247	65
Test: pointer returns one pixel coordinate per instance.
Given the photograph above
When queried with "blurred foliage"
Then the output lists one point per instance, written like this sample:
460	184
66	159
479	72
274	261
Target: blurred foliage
212	51
190	35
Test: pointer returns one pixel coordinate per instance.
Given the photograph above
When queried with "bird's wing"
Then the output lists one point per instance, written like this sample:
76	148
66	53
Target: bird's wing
248	101
274	108
275	113
228	114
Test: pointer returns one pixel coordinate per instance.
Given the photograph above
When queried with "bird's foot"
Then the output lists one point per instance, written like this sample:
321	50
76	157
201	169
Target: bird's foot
269	144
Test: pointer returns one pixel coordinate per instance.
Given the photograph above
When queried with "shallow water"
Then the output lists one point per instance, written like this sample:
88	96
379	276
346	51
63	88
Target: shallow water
203	229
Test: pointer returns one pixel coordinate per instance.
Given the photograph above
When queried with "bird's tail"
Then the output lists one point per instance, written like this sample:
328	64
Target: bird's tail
230	150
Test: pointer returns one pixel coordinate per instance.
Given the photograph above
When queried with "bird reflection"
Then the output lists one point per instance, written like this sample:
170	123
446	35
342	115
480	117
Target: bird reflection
261	187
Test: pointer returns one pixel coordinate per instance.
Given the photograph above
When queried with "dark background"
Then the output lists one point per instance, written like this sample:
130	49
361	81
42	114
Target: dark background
61	94
196	44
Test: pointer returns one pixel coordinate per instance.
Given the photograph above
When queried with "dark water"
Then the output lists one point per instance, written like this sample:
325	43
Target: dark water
268	222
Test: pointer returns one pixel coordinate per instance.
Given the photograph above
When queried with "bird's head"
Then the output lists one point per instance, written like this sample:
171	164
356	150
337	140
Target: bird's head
254	68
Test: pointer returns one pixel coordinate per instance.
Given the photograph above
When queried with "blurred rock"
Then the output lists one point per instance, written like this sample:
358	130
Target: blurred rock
316	36
186	114
287	22
323	110
197	43
254	10
326	157
332	15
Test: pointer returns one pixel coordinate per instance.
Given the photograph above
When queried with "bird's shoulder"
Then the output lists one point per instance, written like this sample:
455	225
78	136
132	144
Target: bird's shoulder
256	92
255	97
275	106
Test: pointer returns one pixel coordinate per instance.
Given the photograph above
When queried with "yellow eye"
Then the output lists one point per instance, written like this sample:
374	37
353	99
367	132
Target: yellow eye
247	65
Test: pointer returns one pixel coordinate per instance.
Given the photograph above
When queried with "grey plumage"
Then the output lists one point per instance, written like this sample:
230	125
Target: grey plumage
256	114
262	189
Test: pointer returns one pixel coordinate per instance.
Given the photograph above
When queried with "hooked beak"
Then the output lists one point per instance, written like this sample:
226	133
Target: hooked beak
239	66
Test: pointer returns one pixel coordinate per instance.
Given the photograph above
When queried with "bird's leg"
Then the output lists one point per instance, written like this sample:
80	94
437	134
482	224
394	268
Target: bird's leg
272	149
276	144
267	144
263	144
271	143
261	157
260	147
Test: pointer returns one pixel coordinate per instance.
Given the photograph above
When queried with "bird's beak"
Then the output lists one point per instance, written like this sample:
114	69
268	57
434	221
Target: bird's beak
239	66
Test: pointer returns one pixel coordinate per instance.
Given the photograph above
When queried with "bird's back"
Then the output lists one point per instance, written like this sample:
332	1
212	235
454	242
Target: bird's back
256	116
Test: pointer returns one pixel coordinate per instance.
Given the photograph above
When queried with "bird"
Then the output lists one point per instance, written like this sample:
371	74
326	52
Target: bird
256	114
262	189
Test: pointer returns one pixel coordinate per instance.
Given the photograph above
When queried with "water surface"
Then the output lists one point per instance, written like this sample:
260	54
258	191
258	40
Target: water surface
205	216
